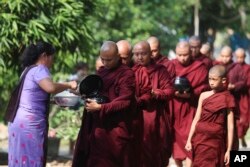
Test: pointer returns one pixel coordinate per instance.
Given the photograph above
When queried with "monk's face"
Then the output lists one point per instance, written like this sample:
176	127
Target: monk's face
215	81
183	55
155	50
125	56
240	56
225	57
205	50
109	59
195	47
142	55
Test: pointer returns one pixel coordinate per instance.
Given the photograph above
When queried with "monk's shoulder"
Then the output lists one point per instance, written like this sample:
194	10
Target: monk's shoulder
206	94
125	71
199	68
161	69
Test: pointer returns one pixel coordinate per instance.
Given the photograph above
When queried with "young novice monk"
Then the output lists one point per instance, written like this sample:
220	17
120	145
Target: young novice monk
213	123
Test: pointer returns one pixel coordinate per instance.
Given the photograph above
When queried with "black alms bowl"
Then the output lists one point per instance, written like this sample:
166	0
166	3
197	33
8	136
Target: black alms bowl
182	84
90	85
90	88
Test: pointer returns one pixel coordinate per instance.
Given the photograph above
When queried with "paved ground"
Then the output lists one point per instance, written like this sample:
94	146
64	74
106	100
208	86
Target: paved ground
64	159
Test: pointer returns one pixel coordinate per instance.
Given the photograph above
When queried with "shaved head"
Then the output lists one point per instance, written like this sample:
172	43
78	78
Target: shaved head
142	53
240	55
124	44
153	40
154	46
142	45
109	54
226	55
226	50
195	38
195	46
125	51
109	47
183	52
182	45
240	51
218	70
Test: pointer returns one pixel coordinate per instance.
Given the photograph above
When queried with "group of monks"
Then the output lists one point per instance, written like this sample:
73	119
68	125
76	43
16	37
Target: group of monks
147	120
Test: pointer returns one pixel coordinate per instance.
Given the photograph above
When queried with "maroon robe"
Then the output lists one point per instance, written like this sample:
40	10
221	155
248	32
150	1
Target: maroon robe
163	60
205	60
156	133
184	109
232	69
105	138
143	96
237	75
210	136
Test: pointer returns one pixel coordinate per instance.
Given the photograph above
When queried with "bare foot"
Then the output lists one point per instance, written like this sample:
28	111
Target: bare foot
243	142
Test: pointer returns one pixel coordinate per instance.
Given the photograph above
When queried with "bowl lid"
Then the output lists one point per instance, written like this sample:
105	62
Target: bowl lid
90	84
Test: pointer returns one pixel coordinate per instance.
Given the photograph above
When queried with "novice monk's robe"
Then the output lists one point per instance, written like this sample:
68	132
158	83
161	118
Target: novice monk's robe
105	138
210	137
156	133
143	96
184	108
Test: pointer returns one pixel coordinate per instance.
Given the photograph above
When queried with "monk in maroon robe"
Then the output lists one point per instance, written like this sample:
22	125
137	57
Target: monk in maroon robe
143	96
159	58
185	104
125	52
236	84
244	106
195	46
156	133
211	134
105	136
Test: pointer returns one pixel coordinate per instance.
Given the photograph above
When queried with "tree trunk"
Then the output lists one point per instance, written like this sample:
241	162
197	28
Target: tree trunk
196	17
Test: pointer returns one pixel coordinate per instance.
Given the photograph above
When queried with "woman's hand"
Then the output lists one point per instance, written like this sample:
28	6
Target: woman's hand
92	105
73	85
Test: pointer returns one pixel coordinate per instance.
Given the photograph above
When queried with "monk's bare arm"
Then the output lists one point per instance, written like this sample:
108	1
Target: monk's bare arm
52	87
194	122
230	125
230	132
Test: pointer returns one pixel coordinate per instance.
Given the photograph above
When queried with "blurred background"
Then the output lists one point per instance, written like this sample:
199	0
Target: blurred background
77	28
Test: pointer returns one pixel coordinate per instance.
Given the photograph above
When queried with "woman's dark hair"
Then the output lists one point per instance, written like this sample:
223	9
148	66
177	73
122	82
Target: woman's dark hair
32	52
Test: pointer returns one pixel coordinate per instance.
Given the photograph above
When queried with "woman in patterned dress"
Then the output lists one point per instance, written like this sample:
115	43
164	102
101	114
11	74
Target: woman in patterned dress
28	131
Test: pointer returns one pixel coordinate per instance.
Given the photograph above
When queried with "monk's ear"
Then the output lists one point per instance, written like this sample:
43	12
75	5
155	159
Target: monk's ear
224	80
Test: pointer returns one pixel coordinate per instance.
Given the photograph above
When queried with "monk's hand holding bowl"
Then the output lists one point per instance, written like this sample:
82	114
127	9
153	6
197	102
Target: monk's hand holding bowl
155	93
185	94
92	105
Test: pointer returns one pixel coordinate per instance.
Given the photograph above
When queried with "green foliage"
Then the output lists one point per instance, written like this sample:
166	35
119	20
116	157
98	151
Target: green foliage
78	27
60	22
65	122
